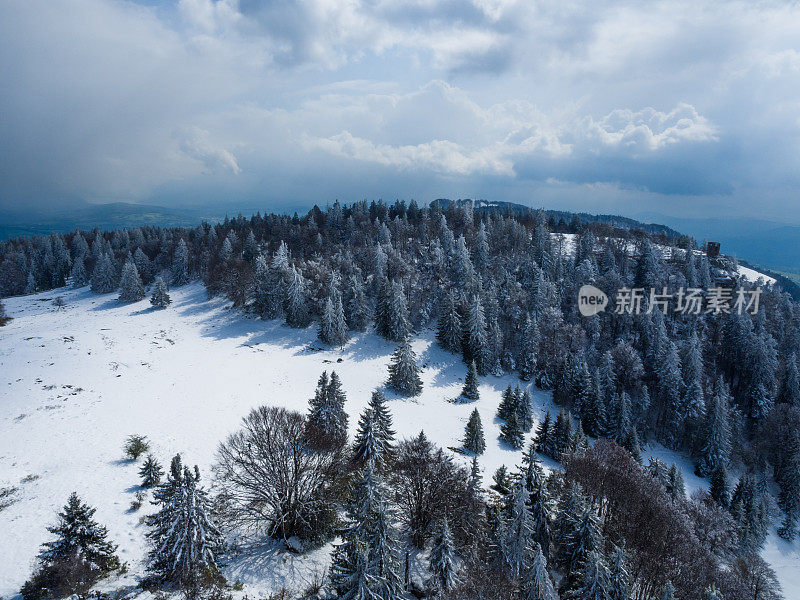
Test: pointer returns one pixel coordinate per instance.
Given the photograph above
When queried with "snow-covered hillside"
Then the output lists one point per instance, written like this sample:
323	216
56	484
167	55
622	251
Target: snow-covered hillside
78	379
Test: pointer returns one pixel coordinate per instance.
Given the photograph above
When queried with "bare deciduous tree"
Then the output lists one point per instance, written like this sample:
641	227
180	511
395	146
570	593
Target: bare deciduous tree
272	480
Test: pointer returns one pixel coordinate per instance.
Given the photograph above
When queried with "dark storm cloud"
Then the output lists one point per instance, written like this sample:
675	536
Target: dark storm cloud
298	102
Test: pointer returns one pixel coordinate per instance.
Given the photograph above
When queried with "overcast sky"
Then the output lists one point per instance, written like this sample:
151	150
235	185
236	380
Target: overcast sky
677	107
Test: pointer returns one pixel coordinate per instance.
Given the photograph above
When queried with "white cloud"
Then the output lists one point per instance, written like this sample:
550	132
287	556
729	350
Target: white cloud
502	94
196	143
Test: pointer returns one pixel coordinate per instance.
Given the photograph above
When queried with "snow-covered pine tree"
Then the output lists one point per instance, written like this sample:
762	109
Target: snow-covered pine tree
475	342
180	264
274	283
473	434
693	399
442	558
668	593
529	354
511	432
367	445
78	273
508	403
578	540
716	434
790	382
226	251
404	371
470	391
543	439
595	584
382	419
160	297
536	583
365	565
623	420
398	326
79	536
524	409
789	495
296	306
332	328
143	266
619	580
449	329
184	540
518	533
104	277
327	419
719	486
3	315
151	472
250	249
562	434
131	288
356	307
632	445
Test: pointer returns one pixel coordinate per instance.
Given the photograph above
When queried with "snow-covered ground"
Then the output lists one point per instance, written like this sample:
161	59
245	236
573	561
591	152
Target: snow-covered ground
753	275
77	380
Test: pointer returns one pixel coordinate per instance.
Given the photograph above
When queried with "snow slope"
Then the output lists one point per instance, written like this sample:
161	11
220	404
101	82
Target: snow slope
77	380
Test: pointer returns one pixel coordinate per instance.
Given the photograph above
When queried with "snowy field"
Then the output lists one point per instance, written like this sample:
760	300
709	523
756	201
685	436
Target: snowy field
77	380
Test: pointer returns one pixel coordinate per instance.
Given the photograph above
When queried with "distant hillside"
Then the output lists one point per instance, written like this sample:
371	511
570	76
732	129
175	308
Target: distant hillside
764	243
521	209
103	216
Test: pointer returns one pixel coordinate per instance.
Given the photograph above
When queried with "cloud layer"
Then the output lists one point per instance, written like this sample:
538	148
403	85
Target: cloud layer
629	106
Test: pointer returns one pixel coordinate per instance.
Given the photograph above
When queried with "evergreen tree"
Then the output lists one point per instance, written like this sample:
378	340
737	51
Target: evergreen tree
716	438
632	445
78	274
365	565
790	385
508	404
536	584
391	312
719	486
382	419
511	432
580	538
441	561
151	472
449	329
470	391
596	584
669	591
356	308
332	327
185	542
79	536
619	579
143	265
517	536
475	341
367	445
562	434
250	250
543	439
327	418
130	285
530	350
160	298
789	495
180	264
473	434
524	410
404	372
296	307
104	278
